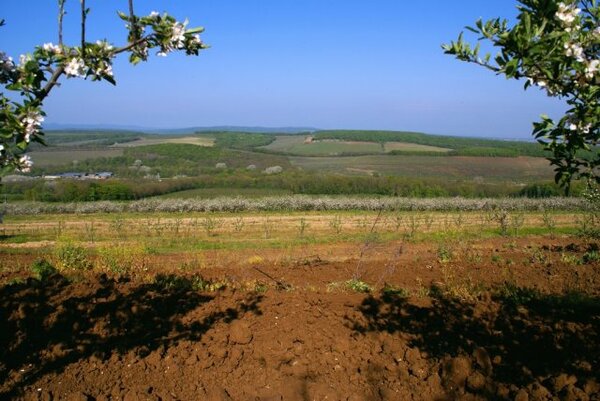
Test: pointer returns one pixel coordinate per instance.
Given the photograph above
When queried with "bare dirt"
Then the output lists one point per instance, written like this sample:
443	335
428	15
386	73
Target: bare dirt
501	319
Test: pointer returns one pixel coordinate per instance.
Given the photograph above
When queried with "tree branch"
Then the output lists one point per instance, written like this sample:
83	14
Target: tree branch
51	83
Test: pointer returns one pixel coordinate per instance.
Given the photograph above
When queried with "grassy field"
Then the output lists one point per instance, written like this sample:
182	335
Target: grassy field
295	145
521	169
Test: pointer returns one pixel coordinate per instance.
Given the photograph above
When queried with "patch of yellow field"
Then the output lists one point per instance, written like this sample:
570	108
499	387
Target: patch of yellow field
413	147
189	140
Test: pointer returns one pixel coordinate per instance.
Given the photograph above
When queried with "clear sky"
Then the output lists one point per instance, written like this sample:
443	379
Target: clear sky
319	63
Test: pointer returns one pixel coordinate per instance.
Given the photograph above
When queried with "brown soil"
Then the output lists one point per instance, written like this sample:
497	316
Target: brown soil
498	320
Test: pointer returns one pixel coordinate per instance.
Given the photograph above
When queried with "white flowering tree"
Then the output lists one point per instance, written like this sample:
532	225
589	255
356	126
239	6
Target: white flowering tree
555	47
31	79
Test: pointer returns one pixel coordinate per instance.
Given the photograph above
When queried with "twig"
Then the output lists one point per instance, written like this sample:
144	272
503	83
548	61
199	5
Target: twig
61	14
280	284
83	17
357	275
132	20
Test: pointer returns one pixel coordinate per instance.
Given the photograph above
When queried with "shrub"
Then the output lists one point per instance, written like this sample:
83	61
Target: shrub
72	257
42	269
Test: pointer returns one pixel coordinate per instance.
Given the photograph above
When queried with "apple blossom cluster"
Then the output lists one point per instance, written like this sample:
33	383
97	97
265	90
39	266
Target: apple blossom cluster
555	47
6	64
75	68
32	122
36	74
567	14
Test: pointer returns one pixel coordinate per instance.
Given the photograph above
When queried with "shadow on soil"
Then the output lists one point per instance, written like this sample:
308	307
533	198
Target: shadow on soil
528	339
52	323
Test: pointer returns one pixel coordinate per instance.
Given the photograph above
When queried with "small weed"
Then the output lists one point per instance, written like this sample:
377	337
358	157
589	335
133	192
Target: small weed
120	259
302	226
517	222
459	220
267	228
358	286
209	224
189	265
389	289
72	257
42	269
444	254
238	224
515	295
117	226
336	224
397	222
15	281
90	231
422	291
412	227
591	256
428	221
58	230
502	218
569	259
549	222
538	256
180	283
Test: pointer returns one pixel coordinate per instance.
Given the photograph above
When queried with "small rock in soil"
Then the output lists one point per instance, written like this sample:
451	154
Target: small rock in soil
476	381
240	333
456	372
561	381
77	397
483	360
522	395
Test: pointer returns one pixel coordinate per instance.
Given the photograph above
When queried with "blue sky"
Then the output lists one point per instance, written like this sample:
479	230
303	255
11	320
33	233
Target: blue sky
320	63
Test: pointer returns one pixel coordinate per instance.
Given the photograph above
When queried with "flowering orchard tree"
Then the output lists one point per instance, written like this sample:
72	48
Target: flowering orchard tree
554	46
35	75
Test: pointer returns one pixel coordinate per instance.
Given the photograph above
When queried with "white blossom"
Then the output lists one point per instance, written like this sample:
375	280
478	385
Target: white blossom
1	147
540	83
32	122
574	50
178	34
196	39
105	70
154	14
50	47
567	14
24	59
24	164
75	68
162	54
573	127
592	68
104	45
6	62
